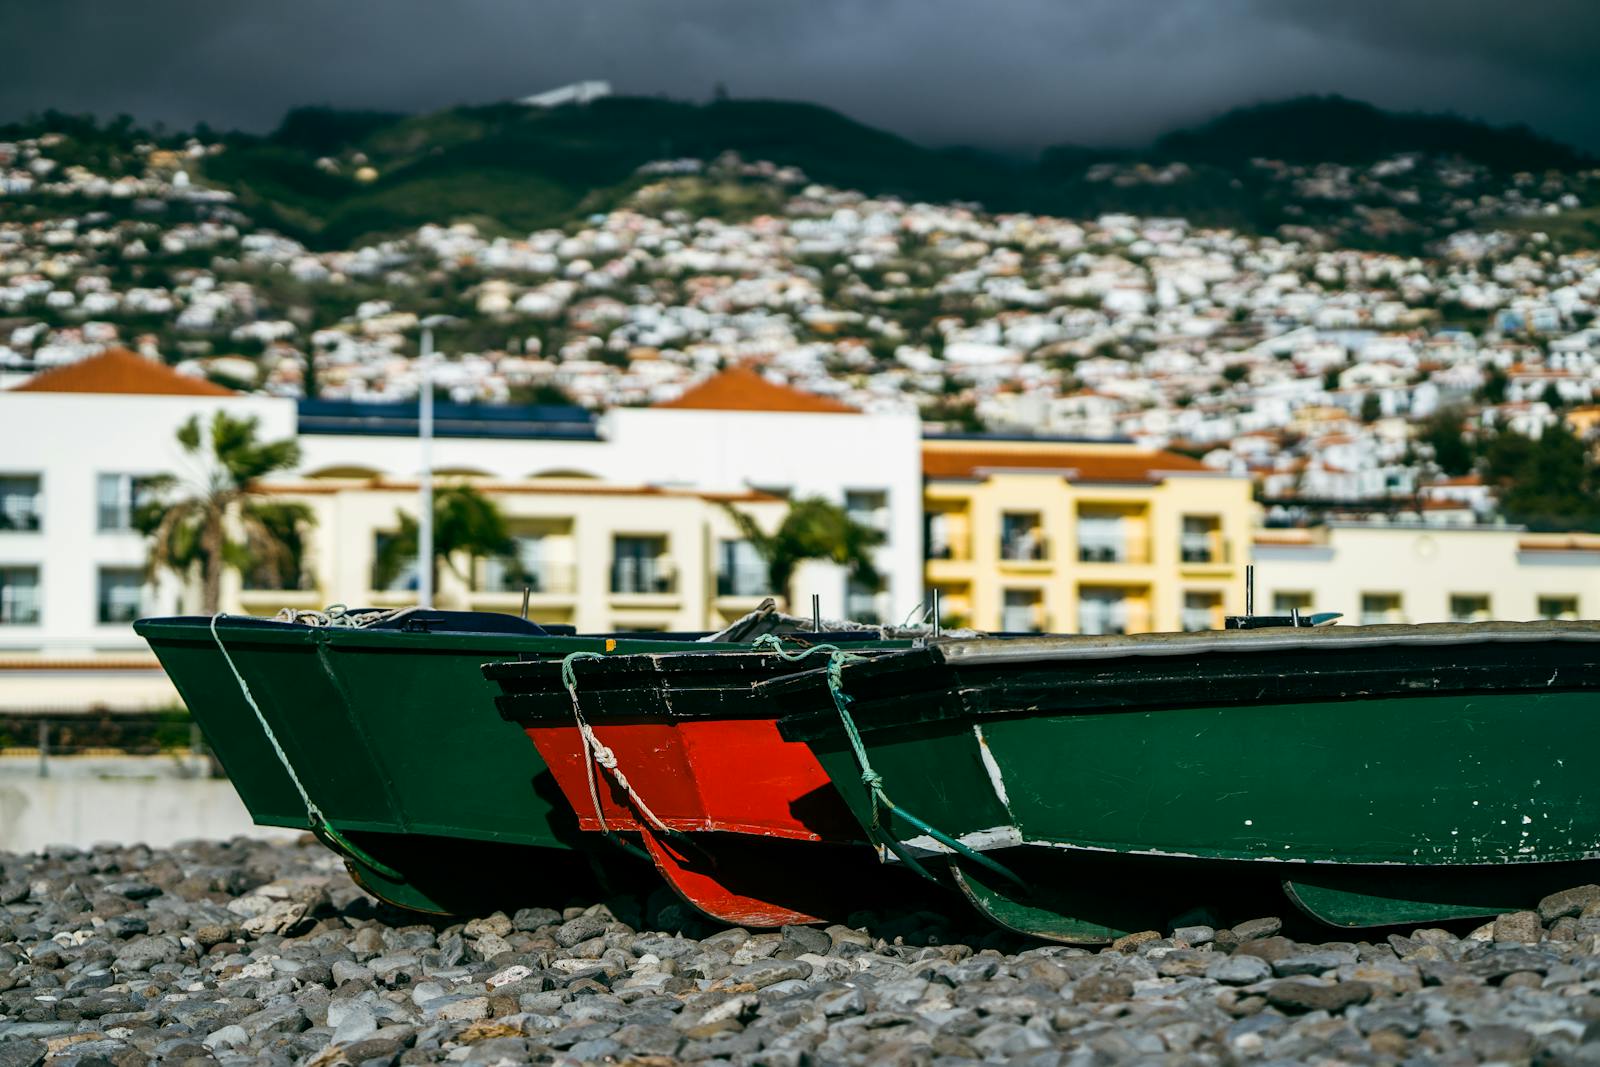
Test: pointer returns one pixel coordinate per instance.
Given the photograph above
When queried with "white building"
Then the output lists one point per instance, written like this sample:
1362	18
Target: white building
75	444
77	441
576	93
1409	572
732	433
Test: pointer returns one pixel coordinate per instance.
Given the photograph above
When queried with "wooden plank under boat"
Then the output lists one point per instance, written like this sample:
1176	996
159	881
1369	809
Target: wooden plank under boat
1379	775
392	732
744	825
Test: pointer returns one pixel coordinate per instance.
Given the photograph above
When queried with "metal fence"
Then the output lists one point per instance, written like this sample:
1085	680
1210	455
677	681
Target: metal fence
51	735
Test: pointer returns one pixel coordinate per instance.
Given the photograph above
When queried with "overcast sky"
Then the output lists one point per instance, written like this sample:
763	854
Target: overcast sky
1007	74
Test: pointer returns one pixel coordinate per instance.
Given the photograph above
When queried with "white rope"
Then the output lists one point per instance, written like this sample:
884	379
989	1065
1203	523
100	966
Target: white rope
597	753
334	615
312	811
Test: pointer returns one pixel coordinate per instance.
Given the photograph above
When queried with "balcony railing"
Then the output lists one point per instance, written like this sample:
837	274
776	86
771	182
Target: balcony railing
1204	548
19	518
20	607
1382	618
1125	551
1025	549
407	579
507	574
744	581
636	576
1023	620
1116	619
950	548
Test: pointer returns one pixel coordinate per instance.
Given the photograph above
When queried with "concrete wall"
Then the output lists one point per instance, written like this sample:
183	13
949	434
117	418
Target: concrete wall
126	799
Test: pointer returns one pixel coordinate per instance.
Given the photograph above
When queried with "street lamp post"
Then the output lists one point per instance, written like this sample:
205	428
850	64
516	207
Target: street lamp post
425	503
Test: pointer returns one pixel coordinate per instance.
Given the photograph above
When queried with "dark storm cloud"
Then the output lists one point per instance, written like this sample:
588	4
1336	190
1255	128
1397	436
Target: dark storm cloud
1001	73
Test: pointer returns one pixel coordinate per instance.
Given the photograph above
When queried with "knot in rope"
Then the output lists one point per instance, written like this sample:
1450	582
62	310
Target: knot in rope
597	754
604	756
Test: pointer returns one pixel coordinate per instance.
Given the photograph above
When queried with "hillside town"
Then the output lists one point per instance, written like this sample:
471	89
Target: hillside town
1308	366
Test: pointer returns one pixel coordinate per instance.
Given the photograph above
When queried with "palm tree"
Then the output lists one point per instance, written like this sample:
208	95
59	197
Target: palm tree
816	529
217	501
465	522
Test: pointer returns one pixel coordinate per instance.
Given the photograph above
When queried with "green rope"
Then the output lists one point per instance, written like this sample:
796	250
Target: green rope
871	779
319	822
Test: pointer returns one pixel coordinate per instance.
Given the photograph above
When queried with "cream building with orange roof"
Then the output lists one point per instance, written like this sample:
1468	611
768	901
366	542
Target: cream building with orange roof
620	522
1082	537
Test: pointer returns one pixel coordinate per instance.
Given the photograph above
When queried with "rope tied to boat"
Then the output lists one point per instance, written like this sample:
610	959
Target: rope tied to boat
877	796
334	615
596	752
319	822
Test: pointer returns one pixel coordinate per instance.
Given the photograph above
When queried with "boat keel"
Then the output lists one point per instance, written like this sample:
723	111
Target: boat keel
1353	896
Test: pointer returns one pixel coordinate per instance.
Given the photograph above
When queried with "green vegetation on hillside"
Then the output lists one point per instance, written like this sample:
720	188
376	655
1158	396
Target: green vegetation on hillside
512	168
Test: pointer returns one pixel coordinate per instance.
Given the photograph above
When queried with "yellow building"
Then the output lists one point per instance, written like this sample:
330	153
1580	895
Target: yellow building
600	557
1082	537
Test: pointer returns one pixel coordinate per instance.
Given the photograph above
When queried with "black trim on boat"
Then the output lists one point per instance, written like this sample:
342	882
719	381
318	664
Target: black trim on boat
673	685
974	680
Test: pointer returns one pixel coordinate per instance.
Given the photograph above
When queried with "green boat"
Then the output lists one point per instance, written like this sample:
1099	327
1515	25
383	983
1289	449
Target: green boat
1080	788
434	803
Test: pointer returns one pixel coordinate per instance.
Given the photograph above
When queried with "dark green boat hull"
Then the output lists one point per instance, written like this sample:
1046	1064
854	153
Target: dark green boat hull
396	739
1377	784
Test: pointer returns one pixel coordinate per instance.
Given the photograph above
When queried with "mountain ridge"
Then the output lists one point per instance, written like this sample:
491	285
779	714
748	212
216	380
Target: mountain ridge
331	177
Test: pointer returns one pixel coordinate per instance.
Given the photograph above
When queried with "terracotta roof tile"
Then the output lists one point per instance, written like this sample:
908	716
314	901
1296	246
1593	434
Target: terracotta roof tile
116	370
742	389
1077	466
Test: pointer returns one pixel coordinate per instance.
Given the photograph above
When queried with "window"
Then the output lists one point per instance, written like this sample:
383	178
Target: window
405	577
1111	535
1202	611
121	594
526	567
939	529
1380	608
1558	607
1102	611
1289	603
19	502
861	603
119	497
868	507
19	596
740	569
1469	607
1021	537
1202	540
639	565
1020	611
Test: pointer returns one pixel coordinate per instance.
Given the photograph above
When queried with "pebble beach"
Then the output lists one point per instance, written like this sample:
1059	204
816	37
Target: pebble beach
247	952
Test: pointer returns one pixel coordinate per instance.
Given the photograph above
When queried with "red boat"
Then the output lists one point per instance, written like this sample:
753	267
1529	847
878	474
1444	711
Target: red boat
680	750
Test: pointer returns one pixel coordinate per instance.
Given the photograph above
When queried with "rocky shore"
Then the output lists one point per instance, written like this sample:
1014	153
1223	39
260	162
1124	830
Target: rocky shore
249	953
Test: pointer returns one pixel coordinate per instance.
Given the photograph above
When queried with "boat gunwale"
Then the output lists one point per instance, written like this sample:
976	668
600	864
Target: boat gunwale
641	687
928	685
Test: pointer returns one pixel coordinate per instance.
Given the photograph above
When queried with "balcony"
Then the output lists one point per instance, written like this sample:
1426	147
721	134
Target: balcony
19	517
1100	617
1205	548
1125	550
634	576
1026	548
744	582
508	574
